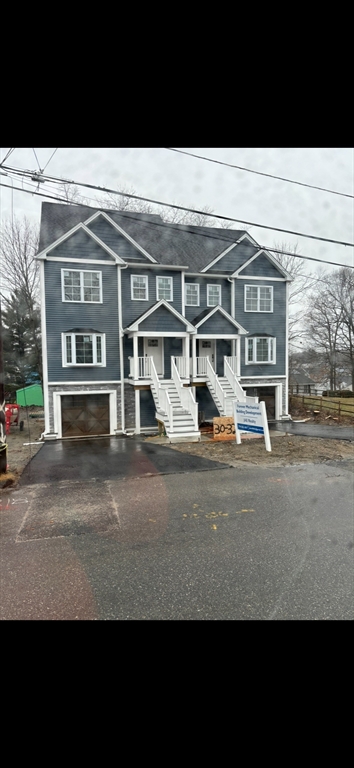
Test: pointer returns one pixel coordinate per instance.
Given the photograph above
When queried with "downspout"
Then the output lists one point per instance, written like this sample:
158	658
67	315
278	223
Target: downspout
121	336
232	281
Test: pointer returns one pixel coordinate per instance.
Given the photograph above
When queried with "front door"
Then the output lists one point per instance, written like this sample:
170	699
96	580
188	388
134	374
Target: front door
207	349
154	348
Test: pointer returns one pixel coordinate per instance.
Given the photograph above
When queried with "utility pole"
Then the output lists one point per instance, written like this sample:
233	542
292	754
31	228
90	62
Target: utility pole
3	444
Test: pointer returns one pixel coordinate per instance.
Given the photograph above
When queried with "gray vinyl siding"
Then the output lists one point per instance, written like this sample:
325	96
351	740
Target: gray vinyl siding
217	324
192	312
117	242
63	316
261	267
223	347
171	347
132	309
80	246
162	320
205	402
234	258
263	323
147	409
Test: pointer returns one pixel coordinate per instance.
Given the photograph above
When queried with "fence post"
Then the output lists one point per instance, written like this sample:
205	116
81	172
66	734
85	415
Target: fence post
339	412
303	401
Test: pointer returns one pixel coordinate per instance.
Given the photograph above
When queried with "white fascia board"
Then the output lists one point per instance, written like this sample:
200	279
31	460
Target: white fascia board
43	254
122	232
162	303
226	314
269	257
233	245
157	265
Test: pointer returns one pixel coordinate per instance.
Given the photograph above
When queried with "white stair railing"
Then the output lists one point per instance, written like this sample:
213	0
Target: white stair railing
163	398
214	381
240	393
181	365
201	366
185	395
232	361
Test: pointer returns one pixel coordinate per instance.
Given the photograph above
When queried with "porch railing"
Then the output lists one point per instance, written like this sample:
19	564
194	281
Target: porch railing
232	361
240	393
201	366
181	365
163	398
185	395
140	367
220	394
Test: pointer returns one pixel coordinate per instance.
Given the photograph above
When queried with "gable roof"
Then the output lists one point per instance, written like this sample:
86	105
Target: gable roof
270	258
171	244
79	227
207	313
121	231
162	303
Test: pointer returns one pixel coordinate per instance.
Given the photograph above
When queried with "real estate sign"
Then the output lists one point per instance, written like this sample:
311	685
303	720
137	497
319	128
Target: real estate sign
251	417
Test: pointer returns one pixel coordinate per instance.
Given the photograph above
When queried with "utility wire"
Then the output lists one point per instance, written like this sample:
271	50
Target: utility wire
259	173
171	226
189	210
7	155
36	158
49	159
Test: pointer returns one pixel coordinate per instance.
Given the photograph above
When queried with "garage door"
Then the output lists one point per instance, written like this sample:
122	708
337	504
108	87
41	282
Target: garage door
84	415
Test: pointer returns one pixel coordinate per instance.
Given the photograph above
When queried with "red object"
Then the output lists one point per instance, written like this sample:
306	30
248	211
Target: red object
12	416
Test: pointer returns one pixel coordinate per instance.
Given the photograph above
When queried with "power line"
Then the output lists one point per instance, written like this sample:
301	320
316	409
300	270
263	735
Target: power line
7	155
189	210
50	159
260	173
36	158
171	226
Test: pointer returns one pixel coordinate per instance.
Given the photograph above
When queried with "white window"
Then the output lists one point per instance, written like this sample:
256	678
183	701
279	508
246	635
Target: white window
80	285
84	349
260	349
214	295
192	294
258	298
139	287
164	288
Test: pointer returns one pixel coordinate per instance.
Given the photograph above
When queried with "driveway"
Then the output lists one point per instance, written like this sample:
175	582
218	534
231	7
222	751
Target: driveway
109	458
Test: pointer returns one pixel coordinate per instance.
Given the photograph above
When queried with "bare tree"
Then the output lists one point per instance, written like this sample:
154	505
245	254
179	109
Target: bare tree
19	268
302	283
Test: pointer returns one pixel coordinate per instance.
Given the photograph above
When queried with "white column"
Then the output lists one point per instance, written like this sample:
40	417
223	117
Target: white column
135	355
186	354
238	356
194	356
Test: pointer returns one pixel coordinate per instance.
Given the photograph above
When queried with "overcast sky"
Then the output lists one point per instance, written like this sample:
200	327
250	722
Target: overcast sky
174	178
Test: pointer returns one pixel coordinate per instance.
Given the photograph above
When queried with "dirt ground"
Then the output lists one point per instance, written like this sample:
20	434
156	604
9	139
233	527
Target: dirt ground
286	449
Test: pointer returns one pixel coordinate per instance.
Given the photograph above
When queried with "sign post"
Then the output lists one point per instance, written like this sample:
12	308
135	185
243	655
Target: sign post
251	417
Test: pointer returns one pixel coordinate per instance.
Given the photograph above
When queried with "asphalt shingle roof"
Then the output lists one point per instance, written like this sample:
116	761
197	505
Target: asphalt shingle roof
174	244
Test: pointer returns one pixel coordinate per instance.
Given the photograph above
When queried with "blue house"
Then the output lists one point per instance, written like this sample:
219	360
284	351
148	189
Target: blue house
146	322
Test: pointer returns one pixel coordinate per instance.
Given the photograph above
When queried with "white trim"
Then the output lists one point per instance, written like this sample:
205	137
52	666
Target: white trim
78	383
195	285
142	264
214	275
214	285
253	277
94	335
218	308
260	362
266	376
208	335
57	407
277	397
44	349
162	303
121	231
43	254
182	294
262	311
233	303
164	277
81	271
146	278
269	257
152	336
233	245
162	334
121	351
84	261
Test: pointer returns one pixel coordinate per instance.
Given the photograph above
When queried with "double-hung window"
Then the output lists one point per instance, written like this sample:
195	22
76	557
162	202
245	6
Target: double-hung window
192	294
213	295
83	349
139	288
260	349
258	298
81	285
164	288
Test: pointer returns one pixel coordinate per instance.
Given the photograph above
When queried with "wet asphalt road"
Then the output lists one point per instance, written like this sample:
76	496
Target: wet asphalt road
108	457
234	544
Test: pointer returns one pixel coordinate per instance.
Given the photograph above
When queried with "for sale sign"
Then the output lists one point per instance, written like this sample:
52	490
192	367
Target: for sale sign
251	417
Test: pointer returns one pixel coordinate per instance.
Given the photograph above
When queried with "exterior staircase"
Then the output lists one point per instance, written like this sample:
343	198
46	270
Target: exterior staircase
225	408
224	389
175	407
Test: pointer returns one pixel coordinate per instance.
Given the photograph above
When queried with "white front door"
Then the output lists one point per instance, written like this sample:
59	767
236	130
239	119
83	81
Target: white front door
154	348
207	348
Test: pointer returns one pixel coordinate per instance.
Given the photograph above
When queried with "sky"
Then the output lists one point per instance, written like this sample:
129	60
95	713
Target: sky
167	176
